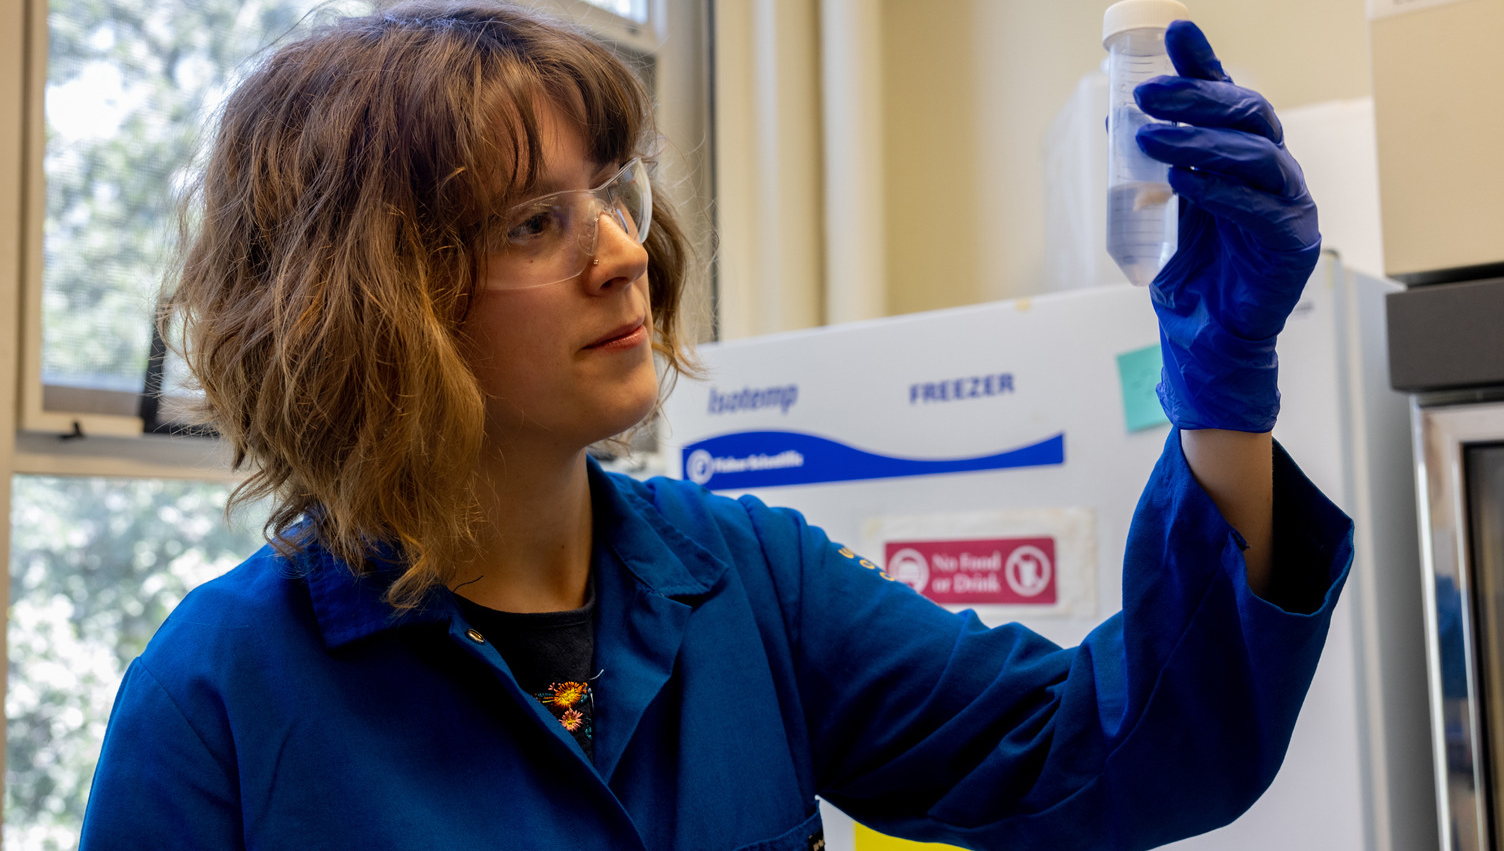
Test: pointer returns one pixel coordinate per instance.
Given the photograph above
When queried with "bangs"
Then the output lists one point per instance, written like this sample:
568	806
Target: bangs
611	111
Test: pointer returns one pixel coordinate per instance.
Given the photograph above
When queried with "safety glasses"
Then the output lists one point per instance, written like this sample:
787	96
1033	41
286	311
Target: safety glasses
553	238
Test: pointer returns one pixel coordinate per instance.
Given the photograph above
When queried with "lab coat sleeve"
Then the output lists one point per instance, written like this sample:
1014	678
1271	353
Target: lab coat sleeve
159	786
1169	720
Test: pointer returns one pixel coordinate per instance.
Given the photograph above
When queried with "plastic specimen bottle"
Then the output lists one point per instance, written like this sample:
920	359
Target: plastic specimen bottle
1142	211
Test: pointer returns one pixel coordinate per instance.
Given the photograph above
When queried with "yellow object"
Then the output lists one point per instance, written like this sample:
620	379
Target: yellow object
868	839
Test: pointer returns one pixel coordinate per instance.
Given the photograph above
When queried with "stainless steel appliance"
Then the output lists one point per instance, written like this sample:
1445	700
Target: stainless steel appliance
1447	347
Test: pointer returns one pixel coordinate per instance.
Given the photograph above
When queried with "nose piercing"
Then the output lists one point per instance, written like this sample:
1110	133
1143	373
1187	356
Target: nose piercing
595	262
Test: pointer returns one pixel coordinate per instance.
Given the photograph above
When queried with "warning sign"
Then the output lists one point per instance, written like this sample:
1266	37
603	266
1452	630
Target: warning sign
1011	571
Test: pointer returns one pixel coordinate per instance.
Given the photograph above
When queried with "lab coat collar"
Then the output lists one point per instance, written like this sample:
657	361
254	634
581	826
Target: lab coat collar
662	561
660	557
350	607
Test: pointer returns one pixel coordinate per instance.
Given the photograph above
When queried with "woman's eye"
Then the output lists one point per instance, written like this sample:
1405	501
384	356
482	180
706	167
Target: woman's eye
536	227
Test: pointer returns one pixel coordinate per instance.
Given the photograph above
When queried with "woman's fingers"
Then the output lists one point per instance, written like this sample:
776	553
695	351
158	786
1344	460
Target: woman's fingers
1282	224
1206	103
1192	53
1244	157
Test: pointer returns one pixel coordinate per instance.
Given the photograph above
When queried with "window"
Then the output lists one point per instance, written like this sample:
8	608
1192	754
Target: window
96	565
130	87
632	10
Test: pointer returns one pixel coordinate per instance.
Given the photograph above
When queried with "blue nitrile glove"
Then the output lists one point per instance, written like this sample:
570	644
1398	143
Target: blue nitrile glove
1248	240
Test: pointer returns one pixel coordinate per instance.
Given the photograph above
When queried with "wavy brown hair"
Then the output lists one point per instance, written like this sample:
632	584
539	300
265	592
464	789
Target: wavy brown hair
331	252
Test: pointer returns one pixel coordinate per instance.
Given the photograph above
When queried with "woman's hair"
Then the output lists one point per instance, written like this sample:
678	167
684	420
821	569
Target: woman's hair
332	248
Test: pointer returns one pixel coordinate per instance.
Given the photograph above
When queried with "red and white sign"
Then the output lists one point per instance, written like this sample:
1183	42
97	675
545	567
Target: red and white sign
1009	571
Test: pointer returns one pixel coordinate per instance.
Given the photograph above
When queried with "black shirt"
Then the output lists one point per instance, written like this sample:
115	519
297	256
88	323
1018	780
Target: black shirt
550	654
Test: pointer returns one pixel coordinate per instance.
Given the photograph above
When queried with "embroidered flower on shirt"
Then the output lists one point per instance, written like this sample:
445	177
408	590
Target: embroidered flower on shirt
565	694
562	700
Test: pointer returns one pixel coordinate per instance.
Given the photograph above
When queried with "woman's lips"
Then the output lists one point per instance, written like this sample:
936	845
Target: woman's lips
623	338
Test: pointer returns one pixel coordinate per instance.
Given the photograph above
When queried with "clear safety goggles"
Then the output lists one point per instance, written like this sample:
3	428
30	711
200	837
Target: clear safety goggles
553	238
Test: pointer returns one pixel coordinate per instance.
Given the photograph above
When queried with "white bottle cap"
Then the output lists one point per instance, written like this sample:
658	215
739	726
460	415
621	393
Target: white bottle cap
1141	14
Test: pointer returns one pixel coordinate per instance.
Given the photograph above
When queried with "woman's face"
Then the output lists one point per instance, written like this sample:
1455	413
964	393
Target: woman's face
568	363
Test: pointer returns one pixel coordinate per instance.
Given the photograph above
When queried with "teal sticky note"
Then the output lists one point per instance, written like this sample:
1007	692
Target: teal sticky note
1138	374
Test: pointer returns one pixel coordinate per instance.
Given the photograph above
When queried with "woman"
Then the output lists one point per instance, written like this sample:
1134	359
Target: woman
429	272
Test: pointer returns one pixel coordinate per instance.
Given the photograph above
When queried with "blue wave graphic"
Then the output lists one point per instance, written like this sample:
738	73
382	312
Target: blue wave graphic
758	459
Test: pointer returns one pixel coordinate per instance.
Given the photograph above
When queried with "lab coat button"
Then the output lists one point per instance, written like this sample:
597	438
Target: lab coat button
474	635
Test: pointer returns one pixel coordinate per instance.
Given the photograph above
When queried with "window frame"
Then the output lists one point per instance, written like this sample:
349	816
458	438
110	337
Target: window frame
100	412
89	419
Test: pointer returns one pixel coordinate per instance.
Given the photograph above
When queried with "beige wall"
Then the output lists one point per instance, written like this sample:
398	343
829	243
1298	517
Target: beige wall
969	87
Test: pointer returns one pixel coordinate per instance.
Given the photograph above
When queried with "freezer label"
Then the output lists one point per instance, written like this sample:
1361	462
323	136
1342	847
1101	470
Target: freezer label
958	389
756	459
1008	571
753	399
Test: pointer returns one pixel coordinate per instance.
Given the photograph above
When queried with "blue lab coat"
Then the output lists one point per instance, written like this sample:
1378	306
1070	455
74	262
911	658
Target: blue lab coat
749	664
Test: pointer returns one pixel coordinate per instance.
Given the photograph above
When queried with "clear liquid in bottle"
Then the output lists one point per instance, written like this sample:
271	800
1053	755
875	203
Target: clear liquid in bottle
1142	228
